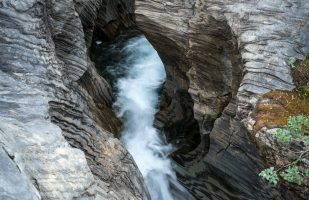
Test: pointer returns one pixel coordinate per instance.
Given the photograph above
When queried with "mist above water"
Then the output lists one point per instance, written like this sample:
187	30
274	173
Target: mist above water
137	99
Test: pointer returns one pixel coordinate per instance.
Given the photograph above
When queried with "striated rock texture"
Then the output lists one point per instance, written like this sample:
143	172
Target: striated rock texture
56	123
104	19
57	128
220	57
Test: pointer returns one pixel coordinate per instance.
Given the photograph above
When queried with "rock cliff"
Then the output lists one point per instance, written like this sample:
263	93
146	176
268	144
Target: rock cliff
220	57
56	123
57	128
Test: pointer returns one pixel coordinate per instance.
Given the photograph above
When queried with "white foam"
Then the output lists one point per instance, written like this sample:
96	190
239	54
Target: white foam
98	42
137	99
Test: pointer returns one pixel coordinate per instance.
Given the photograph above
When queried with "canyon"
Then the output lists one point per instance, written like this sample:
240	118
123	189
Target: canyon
59	134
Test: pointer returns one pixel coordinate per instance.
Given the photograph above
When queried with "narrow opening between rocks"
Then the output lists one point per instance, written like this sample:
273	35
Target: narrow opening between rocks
135	71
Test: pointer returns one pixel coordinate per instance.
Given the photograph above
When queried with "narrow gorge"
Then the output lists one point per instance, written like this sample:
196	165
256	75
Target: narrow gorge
140	99
137	76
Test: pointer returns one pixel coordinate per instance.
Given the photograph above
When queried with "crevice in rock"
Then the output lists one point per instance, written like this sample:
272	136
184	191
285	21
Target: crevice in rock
83	107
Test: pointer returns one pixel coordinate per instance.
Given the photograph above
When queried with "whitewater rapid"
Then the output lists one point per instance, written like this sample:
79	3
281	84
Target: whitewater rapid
136	105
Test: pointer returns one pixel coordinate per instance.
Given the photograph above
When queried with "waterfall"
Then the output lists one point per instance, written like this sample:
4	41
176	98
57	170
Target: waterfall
137	99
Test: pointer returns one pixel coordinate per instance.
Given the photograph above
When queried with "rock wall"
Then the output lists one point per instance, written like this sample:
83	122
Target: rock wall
57	129
56	122
225	55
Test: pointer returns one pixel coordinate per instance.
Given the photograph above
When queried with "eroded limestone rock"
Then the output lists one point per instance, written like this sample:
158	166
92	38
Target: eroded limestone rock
56	121
226	54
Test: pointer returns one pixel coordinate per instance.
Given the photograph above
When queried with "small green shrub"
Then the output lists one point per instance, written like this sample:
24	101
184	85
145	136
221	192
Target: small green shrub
283	136
293	131
292	175
297	123
270	175
292	61
303	91
306	138
306	173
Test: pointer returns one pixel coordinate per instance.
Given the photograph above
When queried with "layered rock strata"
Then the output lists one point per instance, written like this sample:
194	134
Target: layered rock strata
225	55
56	122
57	129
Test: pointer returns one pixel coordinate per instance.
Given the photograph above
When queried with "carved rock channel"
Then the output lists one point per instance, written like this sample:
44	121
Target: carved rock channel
58	131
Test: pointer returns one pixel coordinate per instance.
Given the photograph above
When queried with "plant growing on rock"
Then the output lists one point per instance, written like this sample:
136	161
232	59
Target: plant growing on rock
294	131
292	175
292	61
270	175
283	136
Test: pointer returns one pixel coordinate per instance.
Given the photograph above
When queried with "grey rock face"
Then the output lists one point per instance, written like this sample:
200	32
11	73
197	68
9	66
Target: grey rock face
104	18
57	129
13	183
55	117
225	54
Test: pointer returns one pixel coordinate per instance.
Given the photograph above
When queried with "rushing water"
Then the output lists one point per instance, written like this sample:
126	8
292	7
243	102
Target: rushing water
137	99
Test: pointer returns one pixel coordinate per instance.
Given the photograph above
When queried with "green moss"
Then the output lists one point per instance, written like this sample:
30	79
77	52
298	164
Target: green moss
280	105
300	72
288	111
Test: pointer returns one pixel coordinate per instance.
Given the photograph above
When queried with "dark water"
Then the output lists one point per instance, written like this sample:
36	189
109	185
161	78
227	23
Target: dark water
136	72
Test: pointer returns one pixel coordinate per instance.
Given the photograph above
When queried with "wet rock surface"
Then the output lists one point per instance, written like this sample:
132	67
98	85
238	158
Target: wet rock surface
16	185
56	122
225	55
57	127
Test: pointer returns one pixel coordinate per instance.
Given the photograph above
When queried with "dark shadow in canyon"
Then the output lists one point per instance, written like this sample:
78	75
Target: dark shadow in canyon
199	111
181	130
175	118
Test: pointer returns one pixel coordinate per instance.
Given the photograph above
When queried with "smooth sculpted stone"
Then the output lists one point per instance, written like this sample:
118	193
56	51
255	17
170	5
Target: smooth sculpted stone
56	122
225	54
13	184
104	19
57	127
